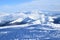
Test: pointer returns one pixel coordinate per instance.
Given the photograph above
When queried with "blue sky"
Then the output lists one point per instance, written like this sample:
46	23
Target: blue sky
21	5
12	2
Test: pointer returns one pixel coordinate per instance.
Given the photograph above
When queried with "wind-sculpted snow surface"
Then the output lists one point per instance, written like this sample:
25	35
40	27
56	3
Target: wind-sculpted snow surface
29	26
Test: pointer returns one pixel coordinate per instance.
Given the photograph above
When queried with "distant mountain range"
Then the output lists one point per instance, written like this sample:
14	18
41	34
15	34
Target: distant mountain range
24	17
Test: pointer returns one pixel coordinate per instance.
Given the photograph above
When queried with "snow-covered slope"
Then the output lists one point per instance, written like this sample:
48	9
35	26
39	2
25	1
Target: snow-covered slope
33	17
29	26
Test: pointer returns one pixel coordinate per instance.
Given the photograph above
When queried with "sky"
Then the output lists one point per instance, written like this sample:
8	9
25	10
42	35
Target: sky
26	5
13	2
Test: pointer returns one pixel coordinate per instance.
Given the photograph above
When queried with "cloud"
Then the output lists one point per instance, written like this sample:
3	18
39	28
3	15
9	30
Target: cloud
50	5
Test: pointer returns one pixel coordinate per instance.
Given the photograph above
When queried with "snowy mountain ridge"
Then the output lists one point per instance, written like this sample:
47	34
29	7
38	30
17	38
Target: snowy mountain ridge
34	17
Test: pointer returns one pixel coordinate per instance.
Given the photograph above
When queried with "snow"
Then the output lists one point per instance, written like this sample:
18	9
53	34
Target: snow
17	20
16	39
57	26
37	22
34	16
5	32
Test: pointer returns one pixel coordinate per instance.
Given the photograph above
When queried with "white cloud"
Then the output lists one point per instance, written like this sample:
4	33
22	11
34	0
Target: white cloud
52	5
